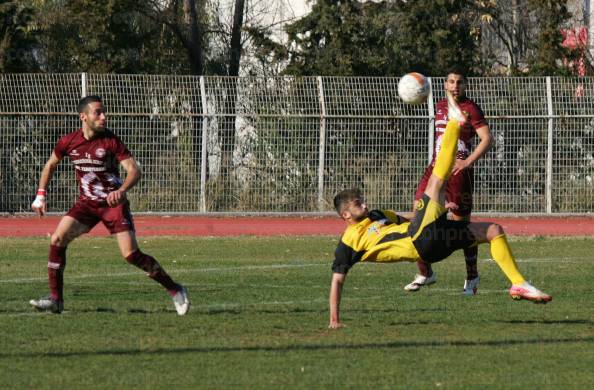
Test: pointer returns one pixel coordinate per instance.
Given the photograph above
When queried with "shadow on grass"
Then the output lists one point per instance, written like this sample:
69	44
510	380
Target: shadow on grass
566	322
308	347
289	309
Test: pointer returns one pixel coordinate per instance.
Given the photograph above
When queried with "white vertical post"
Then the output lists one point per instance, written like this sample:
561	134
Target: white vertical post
431	131
322	149
204	158
549	184
83	85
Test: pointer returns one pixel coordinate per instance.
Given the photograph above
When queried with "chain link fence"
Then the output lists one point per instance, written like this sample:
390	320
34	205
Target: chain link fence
285	144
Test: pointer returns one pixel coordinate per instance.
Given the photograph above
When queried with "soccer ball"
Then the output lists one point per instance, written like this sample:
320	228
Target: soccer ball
413	88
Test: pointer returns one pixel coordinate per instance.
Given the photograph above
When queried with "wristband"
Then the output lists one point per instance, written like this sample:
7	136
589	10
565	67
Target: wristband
39	199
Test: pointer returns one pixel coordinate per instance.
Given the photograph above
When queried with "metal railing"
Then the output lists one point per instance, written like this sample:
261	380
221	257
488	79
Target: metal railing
285	144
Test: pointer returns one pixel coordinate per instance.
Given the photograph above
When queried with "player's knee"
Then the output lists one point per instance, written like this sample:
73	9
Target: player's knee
494	230
134	257
58	240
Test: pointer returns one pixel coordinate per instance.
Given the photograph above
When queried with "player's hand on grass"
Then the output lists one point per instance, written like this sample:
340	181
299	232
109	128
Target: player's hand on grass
116	197
335	325
39	205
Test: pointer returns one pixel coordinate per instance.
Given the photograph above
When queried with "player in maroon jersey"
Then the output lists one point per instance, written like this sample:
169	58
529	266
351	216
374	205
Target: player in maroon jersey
461	184
96	152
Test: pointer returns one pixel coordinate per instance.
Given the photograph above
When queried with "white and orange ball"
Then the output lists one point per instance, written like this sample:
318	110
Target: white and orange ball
413	88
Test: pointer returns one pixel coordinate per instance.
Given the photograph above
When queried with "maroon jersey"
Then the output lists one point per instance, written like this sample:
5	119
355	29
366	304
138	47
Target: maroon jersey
95	161
476	120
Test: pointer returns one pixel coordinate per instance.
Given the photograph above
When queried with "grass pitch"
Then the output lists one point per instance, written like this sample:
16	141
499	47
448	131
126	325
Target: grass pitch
259	316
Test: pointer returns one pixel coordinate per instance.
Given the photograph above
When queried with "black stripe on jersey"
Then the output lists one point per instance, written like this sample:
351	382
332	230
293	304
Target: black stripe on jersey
393	237
344	258
416	222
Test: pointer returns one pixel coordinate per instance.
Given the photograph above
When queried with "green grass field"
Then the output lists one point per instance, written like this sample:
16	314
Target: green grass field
259	316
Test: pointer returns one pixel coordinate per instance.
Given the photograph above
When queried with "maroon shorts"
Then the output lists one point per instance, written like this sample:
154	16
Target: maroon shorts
116	219
459	190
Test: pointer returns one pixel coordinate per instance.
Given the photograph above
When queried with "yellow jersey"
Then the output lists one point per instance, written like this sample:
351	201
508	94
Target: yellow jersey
381	237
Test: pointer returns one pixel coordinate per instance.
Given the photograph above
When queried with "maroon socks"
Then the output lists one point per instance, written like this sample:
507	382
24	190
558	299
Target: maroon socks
154	271
471	255
424	268
55	271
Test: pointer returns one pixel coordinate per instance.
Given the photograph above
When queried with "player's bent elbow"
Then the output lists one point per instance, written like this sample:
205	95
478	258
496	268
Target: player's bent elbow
137	169
136	173
490	142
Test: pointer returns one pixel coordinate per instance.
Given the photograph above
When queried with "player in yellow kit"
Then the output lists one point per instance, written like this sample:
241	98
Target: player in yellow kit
384	236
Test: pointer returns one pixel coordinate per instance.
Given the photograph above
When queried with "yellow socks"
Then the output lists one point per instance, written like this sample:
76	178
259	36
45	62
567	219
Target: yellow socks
444	163
504	258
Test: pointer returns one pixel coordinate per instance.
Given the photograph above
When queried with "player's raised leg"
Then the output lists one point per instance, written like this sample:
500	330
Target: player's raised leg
133	255
68	229
503	256
444	162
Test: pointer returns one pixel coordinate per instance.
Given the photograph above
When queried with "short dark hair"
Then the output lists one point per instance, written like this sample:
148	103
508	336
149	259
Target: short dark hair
84	102
344	197
456	69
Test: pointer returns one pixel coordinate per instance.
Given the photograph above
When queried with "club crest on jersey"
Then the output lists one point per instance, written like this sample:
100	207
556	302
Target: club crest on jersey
74	152
420	204
373	229
100	152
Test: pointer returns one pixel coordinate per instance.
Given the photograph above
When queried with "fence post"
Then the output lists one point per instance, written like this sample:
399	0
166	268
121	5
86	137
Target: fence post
549	185
203	156
322	145
431	131
83	84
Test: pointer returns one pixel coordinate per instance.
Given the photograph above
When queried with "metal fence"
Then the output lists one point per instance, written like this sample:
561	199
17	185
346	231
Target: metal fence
284	144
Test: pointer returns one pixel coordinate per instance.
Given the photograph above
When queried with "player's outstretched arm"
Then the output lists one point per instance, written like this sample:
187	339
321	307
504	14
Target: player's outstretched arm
335	294
39	204
133	175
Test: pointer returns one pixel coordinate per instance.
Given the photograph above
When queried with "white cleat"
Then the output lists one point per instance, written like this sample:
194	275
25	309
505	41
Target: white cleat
528	292
47	304
471	286
420	281
181	301
454	110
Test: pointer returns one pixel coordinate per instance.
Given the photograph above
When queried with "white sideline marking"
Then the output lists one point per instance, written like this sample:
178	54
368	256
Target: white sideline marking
203	286
179	271
274	266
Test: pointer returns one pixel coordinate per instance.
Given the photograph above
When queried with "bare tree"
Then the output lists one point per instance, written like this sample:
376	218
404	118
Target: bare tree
185	23
506	31
236	45
195	36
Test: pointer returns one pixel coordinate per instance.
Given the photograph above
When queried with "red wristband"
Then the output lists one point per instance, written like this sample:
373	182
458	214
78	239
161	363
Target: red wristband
41	192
